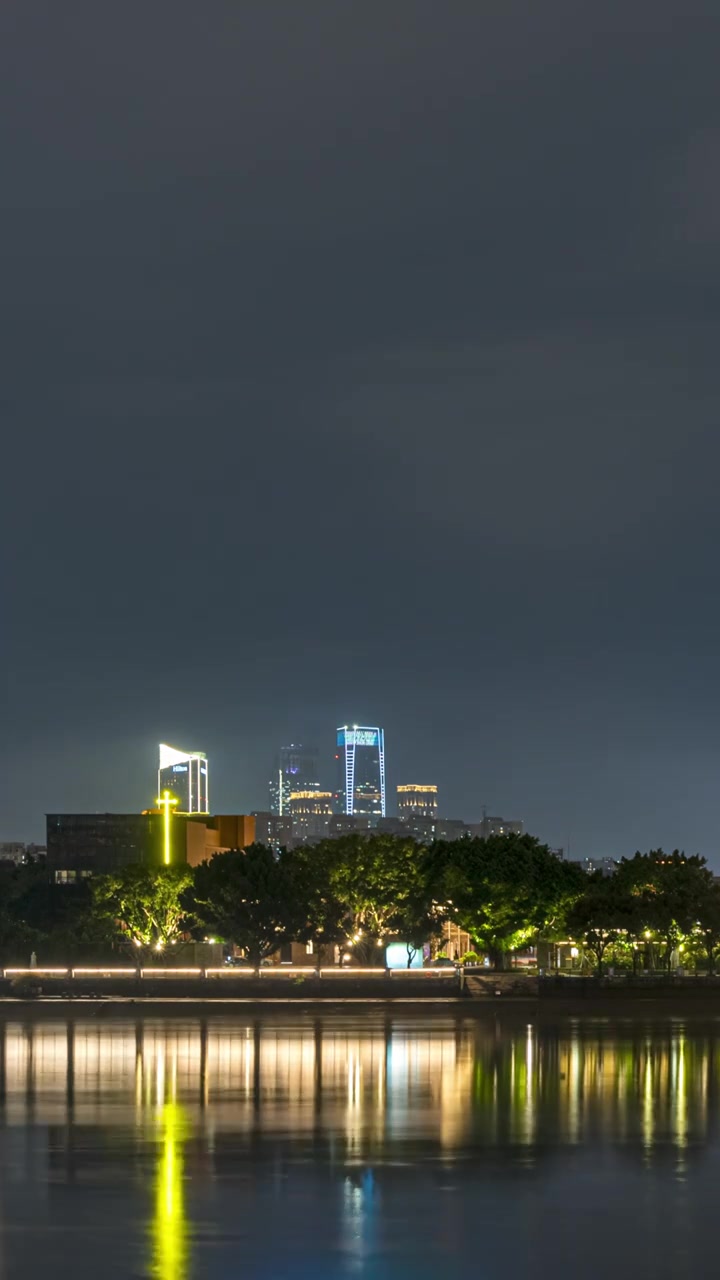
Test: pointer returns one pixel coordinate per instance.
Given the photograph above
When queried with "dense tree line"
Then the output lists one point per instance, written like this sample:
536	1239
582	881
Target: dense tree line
361	892
655	907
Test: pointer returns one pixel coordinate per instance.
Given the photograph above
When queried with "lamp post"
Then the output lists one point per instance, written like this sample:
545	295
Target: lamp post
166	802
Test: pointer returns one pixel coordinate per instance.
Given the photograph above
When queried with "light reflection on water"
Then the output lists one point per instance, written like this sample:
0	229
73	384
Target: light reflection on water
169	1230
310	1145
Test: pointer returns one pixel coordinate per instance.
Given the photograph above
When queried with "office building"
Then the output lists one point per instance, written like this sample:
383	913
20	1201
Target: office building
18	853
606	866
296	769
185	775
310	812
420	827
86	844
416	800
451	829
350	824
272	829
360	759
12	851
391	827
495	827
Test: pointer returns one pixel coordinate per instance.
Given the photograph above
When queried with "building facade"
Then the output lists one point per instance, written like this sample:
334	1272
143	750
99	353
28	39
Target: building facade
350	824
272	829
296	769
185	775
360	761
311	812
86	844
495	827
417	800
606	866
204	837
421	828
12	851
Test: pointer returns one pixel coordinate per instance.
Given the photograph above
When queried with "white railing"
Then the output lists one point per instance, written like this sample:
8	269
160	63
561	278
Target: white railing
226	971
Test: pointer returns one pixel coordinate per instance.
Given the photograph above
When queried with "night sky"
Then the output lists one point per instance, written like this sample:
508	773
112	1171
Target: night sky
360	363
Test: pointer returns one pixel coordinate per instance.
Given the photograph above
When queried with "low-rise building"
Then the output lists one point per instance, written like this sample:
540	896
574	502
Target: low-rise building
350	824
86	844
12	851
490	826
606	866
451	829
272	829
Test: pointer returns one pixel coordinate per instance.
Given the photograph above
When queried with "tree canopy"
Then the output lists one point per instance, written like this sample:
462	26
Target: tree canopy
259	901
362	891
146	905
602	916
381	889
56	921
504	890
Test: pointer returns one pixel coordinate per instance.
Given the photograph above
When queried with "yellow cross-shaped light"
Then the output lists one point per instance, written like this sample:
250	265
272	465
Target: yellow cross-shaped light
166	803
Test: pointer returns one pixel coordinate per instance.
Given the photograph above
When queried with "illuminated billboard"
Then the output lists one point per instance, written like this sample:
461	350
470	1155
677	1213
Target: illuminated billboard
357	737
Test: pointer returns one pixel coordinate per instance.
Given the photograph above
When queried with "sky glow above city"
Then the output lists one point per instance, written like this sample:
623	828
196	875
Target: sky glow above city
360	365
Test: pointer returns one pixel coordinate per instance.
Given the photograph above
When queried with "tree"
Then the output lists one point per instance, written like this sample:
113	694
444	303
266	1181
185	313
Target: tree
707	928
668	892
147	905
380	887
418	919
600	917
503	891
18	937
258	901
55	921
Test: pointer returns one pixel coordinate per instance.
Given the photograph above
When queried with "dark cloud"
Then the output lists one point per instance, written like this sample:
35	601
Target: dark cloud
360	362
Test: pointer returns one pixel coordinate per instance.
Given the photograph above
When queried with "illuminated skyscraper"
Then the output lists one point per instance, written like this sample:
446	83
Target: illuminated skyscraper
296	769
417	801
360	756
185	775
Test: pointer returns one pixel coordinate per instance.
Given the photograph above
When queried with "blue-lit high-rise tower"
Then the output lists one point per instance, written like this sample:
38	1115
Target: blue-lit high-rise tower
360	756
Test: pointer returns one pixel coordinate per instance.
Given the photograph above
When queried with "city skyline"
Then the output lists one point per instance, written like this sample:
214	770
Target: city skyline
299	780
471	813
300	768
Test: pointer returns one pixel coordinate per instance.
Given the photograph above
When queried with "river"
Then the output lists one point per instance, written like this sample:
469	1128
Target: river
388	1145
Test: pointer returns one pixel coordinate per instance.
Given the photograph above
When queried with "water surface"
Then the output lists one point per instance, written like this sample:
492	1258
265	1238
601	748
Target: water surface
386	1146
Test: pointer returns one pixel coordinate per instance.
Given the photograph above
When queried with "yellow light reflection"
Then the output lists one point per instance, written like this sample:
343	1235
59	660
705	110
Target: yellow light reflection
648	1102
169	1228
681	1100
